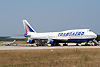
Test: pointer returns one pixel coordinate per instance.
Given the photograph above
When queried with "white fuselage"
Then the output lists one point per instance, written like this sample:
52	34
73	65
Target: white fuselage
65	35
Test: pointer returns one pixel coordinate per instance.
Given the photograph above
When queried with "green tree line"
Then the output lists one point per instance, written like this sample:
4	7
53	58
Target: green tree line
8	38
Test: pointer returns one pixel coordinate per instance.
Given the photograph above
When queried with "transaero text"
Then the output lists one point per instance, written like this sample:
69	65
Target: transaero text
71	34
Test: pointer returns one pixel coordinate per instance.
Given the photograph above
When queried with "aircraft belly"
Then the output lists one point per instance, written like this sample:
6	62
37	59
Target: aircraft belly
79	40
74	40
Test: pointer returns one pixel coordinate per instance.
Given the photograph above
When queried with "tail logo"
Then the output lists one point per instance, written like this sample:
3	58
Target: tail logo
28	27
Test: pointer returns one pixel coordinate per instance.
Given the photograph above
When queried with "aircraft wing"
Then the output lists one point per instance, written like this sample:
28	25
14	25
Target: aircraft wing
58	38
51	38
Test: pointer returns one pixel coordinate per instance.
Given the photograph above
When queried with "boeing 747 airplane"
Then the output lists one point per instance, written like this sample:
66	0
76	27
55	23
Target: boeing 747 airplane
54	38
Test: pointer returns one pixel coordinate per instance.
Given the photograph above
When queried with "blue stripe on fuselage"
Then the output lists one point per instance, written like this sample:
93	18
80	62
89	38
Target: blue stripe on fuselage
79	40
75	40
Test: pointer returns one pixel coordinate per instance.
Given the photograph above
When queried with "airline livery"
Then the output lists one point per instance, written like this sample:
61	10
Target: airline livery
54	38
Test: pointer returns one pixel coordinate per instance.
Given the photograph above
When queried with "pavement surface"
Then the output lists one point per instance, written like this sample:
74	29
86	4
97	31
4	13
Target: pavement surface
44	47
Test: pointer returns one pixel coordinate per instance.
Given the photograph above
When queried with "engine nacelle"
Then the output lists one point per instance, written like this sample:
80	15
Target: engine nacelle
51	42
31	41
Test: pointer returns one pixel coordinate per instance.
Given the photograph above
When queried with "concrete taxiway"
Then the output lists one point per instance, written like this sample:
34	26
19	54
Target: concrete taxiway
44	47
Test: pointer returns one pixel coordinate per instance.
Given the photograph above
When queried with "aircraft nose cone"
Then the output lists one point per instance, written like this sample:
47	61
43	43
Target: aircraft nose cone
95	35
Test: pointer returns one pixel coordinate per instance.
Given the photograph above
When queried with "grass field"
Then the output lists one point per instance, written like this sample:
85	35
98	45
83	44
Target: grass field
50	58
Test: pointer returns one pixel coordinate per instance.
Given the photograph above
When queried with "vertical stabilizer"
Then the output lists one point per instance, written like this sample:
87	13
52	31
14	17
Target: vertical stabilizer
28	27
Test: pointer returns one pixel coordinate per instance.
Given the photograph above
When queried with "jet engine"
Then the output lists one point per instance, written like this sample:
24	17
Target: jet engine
31	41
51	42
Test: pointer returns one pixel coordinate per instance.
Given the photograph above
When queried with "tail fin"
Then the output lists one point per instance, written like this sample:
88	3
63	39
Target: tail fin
28	27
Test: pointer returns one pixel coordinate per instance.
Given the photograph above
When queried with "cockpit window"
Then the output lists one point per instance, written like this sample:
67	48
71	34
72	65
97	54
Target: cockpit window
89	31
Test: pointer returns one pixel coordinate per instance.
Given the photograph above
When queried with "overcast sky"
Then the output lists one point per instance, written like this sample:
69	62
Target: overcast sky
49	15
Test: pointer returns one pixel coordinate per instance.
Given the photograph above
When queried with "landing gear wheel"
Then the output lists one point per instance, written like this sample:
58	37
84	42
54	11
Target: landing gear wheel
65	44
77	45
52	44
87	44
8	45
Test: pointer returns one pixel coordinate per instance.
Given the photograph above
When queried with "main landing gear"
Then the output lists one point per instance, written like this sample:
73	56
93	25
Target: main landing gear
65	44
